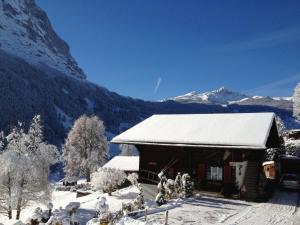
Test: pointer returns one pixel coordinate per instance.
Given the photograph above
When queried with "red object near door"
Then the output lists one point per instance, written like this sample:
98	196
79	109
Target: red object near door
201	172
227	174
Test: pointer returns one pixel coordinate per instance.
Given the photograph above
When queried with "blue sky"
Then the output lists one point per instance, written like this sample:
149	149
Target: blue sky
154	49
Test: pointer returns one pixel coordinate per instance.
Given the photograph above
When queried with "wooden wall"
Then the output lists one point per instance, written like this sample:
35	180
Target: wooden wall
155	158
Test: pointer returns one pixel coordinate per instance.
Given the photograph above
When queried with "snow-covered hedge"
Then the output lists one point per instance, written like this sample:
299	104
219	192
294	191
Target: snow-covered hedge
108	179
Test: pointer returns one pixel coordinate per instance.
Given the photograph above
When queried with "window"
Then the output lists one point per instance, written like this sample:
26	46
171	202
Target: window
214	173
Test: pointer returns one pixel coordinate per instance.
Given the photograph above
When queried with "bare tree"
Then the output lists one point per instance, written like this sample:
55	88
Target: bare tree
86	147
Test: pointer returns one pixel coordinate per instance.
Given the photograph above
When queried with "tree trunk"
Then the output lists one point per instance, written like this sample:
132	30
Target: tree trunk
9	211
18	209
19	202
88	174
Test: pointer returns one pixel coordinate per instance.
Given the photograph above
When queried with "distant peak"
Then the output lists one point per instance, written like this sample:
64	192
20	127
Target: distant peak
222	89
221	95
191	93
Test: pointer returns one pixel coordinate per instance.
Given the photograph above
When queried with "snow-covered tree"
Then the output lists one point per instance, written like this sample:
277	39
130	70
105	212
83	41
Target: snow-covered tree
101	207
280	126
2	141
25	161
108	179
35	134
139	201
7	183
160	197
292	147
296	102
178	183
187	185
86	147
127	150
133	178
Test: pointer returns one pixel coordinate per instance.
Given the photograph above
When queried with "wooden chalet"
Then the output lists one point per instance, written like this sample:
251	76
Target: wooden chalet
217	150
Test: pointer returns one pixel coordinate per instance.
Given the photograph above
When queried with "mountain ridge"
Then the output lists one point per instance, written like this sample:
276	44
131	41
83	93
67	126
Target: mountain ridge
223	96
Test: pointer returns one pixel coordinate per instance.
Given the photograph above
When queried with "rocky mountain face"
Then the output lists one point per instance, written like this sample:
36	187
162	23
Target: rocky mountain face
39	76
26	31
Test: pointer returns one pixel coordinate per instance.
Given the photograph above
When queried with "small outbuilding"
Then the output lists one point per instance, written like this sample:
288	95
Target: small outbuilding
128	164
221	152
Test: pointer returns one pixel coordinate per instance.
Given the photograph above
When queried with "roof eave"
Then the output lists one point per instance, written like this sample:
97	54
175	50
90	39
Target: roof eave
254	147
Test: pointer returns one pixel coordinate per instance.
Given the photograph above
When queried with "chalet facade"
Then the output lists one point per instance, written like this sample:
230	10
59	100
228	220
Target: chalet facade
219	151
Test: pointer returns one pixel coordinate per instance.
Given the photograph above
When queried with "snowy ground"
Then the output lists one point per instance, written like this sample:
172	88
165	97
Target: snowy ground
87	203
282	209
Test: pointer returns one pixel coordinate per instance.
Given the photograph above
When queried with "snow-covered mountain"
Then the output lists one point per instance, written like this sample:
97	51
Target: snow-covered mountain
39	76
225	96
219	96
26	32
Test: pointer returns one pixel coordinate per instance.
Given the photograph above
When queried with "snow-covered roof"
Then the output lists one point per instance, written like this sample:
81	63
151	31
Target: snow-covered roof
125	163
235	130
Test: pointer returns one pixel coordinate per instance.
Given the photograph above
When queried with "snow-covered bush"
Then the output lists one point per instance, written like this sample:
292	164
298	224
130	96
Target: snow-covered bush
274	153
139	202
170	188
86	147
72	207
188	185
178	184
101	206
292	147
160	197
108	179
102	213
133	178
39	216
65	216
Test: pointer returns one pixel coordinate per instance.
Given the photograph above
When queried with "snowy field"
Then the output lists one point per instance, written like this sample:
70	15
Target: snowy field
87	203
281	209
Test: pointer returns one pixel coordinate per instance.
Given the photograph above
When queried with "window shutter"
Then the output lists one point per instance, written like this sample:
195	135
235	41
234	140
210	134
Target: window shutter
227	174
201	172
